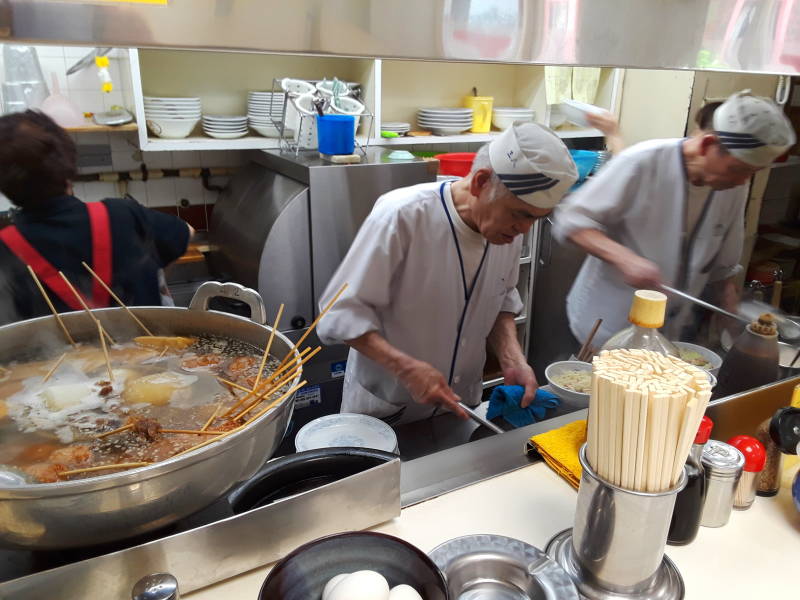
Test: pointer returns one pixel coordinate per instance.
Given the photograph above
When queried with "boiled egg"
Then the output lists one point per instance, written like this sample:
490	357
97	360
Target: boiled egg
361	585
404	592
326	592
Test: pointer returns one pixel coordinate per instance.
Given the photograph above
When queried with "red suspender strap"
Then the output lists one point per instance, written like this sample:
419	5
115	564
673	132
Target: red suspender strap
101	251
43	269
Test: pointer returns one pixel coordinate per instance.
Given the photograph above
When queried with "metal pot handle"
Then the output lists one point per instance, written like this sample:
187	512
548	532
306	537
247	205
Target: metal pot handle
234	291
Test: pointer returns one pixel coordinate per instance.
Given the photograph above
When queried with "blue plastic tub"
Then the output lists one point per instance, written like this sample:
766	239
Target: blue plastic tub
336	134
585	160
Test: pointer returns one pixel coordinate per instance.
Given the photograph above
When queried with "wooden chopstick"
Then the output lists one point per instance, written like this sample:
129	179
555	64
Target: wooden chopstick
585	351
52	308
116	298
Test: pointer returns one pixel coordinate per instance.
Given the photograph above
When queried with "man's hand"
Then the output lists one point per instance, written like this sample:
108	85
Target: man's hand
638	272
522	374
428	386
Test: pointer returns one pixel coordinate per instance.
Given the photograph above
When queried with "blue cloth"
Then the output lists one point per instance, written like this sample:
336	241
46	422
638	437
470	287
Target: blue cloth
505	400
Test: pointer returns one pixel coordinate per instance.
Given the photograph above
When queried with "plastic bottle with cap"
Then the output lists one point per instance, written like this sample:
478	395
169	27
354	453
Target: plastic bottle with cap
646	317
752	361
689	502
785	432
755	457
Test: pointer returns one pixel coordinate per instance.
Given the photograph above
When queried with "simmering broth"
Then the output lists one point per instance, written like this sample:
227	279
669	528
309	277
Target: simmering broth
51	427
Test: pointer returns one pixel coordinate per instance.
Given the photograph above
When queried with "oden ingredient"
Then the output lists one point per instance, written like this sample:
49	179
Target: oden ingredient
404	592
326	592
577	381
361	585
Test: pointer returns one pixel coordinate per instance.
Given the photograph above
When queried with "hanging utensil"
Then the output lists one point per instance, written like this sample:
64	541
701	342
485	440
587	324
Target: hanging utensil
704	304
88	60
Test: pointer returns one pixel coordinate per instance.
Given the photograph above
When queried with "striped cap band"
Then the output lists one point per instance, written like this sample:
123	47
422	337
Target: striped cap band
733	140
527	184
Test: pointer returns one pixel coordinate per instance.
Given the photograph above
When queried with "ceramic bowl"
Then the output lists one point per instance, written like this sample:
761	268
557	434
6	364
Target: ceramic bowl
558	368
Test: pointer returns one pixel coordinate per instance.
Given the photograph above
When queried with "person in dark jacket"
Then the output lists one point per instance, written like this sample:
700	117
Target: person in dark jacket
125	243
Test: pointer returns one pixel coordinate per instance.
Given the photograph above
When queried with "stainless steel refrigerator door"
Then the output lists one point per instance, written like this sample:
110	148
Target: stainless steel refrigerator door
556	268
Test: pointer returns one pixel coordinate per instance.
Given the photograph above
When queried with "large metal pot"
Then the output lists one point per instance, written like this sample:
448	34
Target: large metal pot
113	507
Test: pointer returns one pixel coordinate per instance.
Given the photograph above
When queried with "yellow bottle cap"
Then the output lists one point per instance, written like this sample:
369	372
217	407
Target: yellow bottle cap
648	309
796	396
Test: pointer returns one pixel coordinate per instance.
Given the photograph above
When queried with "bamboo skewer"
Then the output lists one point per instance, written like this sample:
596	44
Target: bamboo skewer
54	367
84	305
114	431
116	298
213	416
275	402
52	308
314	324
277	385
129	465
193	431
265	384
233	385
100	332
267	348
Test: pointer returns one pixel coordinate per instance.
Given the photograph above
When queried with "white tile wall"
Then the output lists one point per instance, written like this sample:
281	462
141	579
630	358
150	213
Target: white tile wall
83	89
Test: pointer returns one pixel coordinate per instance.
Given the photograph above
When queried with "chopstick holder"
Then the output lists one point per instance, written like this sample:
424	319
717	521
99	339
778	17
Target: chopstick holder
559	449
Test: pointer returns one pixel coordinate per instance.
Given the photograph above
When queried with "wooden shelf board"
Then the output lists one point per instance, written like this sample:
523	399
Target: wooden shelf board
92	127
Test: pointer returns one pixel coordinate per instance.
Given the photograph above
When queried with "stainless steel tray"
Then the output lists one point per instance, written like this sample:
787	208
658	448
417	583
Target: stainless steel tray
208	554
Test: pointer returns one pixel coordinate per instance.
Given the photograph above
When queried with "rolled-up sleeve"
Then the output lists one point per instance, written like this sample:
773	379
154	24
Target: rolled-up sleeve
512	303
601	201
367	270
726	263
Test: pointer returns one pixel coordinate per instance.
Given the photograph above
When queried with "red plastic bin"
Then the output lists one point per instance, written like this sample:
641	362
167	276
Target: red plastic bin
455	163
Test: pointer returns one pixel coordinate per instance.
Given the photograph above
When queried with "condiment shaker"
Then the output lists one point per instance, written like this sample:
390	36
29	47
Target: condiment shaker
723	467
156	586
689	502
755	456
769	480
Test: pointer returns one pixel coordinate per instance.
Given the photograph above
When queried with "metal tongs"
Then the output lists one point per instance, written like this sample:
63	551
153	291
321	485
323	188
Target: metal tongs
749	311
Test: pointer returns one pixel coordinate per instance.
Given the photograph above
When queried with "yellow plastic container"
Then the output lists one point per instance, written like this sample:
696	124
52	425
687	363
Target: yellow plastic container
482	112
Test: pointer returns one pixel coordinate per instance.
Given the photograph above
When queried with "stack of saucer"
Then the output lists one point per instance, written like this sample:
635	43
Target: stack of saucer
445	121
224	128
397	127
264	110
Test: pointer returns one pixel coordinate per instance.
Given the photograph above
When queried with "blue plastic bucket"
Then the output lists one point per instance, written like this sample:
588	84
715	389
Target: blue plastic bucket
335	134
585	160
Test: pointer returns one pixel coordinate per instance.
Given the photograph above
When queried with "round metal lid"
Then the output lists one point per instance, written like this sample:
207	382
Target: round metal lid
722	458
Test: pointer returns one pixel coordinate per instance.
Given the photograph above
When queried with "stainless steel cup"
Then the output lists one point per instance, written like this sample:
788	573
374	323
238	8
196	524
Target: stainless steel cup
619	535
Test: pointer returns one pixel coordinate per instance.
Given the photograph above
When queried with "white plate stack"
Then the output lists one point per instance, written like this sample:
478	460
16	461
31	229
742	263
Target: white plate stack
172	118
224	128
445	121
504	117
397	127
264	109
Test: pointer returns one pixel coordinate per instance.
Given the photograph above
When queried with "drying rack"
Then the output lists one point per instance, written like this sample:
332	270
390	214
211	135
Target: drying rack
289	140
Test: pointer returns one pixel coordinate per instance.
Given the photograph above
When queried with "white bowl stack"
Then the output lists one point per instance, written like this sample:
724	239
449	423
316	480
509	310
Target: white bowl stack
397	127
172	118
224	128
445	121
264	109
504	117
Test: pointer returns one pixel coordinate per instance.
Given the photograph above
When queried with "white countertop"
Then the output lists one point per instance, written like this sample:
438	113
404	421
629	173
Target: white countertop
533	503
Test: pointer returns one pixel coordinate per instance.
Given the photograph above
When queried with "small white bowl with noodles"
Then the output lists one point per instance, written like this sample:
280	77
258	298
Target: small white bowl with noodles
570	380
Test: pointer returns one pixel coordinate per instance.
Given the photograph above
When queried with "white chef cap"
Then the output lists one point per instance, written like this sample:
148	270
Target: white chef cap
753	129
533	163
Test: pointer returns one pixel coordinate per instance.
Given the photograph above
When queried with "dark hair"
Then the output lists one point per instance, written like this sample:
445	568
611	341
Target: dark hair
37	158
705	116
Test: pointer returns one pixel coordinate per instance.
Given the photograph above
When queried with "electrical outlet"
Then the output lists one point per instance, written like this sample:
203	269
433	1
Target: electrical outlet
94	155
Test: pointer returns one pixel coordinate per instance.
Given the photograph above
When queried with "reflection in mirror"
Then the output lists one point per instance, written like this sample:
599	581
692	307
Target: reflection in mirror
482	29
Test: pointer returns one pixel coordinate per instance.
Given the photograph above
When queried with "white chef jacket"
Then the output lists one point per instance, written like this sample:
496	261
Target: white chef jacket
404	281
639	200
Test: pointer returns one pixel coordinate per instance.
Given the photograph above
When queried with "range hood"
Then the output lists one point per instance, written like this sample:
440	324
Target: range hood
755	36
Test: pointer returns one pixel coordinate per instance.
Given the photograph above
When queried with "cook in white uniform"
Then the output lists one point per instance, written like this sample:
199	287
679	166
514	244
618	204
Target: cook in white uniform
669	211
432	276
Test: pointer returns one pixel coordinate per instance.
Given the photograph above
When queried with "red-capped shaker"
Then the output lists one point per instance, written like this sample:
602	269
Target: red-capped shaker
755	457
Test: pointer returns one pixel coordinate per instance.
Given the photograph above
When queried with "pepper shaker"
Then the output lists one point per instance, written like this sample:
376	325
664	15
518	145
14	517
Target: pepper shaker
755	456
723	467
156	586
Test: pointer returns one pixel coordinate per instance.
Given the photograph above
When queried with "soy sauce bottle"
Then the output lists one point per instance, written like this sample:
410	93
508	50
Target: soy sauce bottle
689	503
753	360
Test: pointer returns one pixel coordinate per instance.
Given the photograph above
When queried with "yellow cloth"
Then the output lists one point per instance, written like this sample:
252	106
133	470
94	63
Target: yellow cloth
559	449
